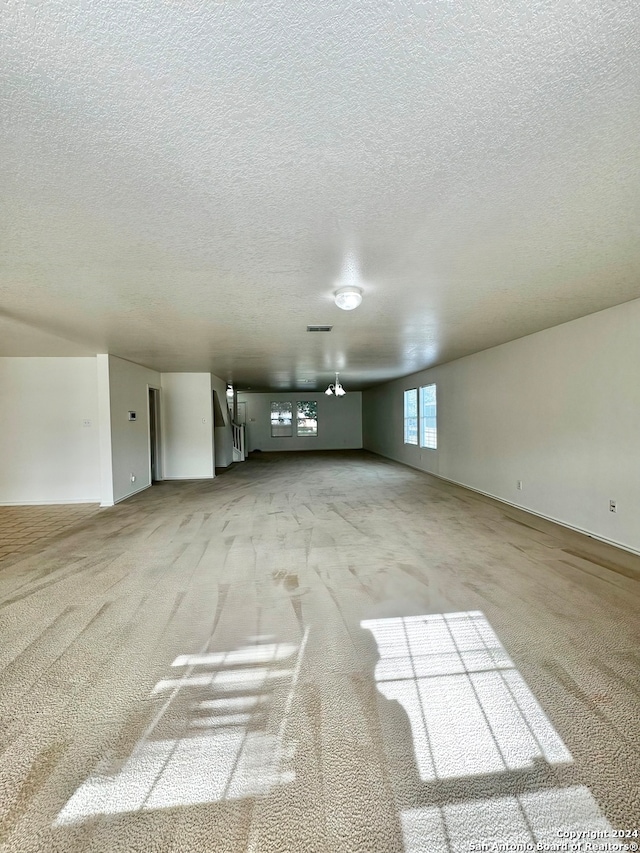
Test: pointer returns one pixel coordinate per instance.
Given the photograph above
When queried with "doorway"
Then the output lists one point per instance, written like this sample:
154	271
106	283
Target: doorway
154	435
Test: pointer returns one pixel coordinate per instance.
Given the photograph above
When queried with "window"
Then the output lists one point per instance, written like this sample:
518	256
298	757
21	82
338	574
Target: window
411	416
307	417
428	422
281	419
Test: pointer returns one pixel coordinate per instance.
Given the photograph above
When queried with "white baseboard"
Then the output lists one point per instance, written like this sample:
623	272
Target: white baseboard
131	494
52	503
209	477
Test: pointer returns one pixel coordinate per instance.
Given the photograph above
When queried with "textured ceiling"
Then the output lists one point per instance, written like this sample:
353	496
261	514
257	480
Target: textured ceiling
182	182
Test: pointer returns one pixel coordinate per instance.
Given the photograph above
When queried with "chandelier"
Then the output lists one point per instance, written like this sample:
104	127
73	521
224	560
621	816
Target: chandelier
335	388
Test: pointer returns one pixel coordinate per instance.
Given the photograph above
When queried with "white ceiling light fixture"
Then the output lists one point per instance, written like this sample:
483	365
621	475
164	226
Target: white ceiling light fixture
335	388
348	297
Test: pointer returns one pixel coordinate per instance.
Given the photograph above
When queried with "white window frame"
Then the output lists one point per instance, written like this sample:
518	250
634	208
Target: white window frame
317	419
430	441
410	418
280	404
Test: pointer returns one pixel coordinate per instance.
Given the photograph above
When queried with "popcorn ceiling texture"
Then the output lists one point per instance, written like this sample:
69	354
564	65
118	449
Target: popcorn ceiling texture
182	179
315	652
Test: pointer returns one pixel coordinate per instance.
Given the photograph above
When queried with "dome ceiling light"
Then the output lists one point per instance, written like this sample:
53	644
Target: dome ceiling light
335	388
348	297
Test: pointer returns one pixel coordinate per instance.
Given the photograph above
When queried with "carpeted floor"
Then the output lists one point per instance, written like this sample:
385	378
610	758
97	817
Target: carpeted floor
317	652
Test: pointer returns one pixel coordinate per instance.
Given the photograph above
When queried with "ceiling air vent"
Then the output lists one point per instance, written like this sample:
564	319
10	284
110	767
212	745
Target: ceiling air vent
319	328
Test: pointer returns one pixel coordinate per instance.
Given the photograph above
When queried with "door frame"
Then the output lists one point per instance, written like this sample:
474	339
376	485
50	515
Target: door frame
157	392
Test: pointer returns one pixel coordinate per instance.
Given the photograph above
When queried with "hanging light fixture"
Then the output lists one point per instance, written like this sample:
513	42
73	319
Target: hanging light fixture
348	297
335	388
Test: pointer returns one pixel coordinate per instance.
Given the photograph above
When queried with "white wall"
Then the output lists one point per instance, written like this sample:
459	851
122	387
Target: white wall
559	410
339	421
223	435
129	391
48	455
187	426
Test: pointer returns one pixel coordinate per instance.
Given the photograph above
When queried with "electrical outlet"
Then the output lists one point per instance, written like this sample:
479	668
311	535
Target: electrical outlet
86	423
519	485
613	506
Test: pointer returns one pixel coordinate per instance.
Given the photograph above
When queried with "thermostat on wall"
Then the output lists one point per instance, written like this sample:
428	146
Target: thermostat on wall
133	416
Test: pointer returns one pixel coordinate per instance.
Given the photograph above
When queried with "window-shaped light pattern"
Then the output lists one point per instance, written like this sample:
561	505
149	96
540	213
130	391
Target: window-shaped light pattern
281	419
471	713
411	416
220	734
481	741
428	418
307	417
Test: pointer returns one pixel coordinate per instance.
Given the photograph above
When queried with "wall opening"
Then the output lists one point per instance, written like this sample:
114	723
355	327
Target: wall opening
154	435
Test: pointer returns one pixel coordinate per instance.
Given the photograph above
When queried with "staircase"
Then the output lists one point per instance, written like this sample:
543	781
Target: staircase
239	454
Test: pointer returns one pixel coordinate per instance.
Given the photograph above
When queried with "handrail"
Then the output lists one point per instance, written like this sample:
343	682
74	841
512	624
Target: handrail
239	454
